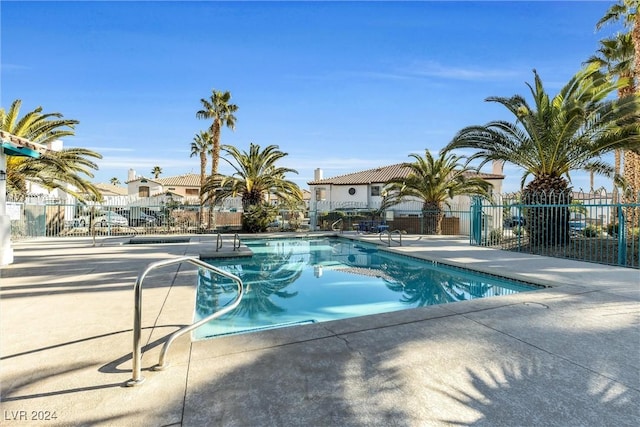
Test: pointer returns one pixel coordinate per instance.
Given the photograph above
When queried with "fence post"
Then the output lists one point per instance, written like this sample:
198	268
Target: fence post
476	221
622	237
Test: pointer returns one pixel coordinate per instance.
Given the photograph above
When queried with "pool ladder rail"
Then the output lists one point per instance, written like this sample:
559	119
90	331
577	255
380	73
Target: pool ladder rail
236	242
337	225
390	238
137	378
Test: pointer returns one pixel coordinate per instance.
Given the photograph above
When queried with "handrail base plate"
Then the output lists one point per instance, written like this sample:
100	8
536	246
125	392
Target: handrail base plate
133	383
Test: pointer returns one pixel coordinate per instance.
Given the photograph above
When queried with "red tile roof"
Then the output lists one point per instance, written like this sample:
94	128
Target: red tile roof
381	175
109	189
186	180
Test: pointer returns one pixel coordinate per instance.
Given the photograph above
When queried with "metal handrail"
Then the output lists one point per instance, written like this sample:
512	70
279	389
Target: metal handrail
389	239
137	318
335	223
218	242
236	237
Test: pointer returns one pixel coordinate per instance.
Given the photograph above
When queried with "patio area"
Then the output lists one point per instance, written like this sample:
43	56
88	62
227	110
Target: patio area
560	356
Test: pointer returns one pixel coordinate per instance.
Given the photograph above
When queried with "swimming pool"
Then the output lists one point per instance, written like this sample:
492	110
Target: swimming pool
306	280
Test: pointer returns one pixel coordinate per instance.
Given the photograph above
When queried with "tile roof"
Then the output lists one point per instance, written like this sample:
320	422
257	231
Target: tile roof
185	180
140	178
111	190
382	175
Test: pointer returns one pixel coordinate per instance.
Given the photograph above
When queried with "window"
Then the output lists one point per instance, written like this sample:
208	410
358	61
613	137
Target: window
192	192
143	191
375	190
320	194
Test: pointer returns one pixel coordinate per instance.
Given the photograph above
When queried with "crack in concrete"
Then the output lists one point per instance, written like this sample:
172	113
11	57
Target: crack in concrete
349	346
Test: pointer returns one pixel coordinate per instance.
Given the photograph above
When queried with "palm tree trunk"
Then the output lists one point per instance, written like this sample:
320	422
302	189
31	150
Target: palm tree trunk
632	160
632	175
215	150
215	161
432	216
547	213
203	167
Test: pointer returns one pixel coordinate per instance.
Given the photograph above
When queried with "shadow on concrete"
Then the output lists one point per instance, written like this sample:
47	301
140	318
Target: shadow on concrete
453	371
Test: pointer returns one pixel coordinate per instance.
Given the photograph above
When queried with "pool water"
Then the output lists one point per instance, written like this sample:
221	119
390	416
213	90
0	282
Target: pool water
297	281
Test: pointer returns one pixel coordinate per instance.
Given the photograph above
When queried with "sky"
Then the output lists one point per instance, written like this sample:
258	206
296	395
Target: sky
341	86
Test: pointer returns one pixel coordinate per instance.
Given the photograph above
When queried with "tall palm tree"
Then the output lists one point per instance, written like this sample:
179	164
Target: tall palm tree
435	181
114	181
559	134
626	11
256	176
218	109
616	57
156	171
200	147
53	169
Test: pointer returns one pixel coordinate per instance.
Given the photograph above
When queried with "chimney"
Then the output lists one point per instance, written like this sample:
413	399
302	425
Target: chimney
132	175
317	174
55	145
497	167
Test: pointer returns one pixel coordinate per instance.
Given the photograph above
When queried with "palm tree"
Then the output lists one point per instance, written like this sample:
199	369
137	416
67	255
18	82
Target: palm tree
626	11
616	57
558	135
435	181
256	176
218	109
53	169
114	181
156	171
200	147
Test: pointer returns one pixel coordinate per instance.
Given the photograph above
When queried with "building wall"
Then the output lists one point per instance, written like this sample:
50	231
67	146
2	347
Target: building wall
133	187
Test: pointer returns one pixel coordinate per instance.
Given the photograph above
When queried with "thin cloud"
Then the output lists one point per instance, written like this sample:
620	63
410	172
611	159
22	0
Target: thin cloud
435	69
13	67
419	71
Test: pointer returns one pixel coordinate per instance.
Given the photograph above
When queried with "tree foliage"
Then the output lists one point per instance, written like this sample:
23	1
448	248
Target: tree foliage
67	169
435	181
256	177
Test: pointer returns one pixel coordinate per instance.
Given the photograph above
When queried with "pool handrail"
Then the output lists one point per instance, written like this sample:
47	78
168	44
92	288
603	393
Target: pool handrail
389	239
334	225
236	237
137	377
218	242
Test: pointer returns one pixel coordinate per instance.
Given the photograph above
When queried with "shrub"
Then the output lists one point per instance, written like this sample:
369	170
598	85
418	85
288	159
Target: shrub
612	229
257	218
592	231
495	237
518	231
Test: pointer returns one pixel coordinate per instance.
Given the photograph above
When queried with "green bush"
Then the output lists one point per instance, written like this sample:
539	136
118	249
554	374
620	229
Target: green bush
495	237
592	231
518	230
257	218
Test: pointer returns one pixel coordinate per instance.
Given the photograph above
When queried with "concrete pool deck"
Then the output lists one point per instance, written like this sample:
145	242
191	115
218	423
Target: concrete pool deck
560	356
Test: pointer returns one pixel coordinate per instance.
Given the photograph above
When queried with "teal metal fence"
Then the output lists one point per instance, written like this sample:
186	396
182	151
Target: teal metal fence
52	219
593	227
589	227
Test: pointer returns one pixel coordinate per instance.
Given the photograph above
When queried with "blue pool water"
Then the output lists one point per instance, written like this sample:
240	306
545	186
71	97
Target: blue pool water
297	281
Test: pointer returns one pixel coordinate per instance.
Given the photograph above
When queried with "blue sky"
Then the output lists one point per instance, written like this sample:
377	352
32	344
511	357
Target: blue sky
339	86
